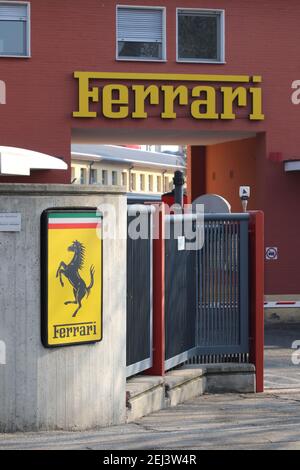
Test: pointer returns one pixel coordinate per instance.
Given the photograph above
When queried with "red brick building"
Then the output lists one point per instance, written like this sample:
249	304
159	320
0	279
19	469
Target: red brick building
222	43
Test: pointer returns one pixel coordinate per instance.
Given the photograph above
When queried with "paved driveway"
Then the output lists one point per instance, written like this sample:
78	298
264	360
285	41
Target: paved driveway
266	421
280	372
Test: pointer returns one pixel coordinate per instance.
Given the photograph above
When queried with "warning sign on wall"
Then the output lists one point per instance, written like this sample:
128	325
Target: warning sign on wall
71	277
272	253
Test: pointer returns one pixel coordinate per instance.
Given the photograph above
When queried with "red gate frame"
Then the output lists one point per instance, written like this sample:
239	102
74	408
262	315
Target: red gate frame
256	259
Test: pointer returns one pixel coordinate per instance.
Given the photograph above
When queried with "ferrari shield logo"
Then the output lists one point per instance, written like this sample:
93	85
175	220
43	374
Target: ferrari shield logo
71	277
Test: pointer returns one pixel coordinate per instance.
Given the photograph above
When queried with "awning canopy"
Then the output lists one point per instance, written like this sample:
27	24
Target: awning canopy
20	162
292	165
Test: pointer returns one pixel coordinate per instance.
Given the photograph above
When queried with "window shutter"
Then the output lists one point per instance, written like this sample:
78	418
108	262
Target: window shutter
140	25
209	14
13	12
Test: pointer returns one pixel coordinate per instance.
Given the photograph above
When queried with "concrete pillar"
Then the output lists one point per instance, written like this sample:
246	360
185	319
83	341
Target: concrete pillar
67	388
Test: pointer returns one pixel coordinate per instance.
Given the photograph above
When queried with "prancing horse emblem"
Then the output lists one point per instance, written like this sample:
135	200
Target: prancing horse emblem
71	272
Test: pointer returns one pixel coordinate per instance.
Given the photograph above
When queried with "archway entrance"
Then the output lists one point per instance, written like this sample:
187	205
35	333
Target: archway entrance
217	162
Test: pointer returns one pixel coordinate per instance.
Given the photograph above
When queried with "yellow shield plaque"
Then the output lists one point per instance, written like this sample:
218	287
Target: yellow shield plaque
71	277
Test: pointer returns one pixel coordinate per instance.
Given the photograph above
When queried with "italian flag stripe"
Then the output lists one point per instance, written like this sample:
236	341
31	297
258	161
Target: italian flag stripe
69	226
74	220
91	220
75	215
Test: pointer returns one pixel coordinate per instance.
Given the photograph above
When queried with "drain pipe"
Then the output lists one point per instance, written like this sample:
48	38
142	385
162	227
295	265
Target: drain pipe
90	171
129	177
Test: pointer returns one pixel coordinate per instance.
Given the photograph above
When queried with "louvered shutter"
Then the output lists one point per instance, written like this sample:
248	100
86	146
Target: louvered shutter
13	11
140	25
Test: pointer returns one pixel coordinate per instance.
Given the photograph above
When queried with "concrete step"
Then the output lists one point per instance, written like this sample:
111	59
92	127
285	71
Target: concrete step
147	394
144	395
184	384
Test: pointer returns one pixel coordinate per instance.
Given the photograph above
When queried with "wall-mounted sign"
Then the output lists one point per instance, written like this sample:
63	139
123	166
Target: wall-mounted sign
71	277
181	243
10	222
202	95
2	92
272	253
245	192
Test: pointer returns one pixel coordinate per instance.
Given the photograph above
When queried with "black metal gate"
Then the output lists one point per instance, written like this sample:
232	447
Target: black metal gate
180	296
207	290
139	294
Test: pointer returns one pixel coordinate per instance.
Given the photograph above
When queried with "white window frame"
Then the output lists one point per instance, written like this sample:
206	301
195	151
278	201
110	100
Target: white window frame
164	40
221	13
28	31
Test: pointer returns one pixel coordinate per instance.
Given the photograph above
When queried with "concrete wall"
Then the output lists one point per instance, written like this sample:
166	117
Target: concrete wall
68	388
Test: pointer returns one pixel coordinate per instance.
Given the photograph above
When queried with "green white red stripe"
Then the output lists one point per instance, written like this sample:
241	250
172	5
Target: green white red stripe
68	220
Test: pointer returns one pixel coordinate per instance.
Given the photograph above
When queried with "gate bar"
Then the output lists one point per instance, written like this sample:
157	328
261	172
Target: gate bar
158	363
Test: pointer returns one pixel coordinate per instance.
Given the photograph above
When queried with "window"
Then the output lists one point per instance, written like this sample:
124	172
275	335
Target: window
82	176
168	183
150	183
133	181
158	184
14	29
104	177
200	35
142	182
141	33
114	178
124	179
93	176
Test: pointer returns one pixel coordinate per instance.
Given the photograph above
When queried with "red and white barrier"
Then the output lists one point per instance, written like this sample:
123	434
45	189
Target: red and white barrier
283	304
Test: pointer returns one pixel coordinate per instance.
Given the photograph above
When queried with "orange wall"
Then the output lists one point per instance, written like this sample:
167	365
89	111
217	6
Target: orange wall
229	166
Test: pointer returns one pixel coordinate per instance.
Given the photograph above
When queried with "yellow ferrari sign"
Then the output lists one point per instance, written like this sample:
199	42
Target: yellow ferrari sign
71	277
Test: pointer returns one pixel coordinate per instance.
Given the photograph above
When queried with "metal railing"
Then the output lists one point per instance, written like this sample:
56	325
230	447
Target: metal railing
139	342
